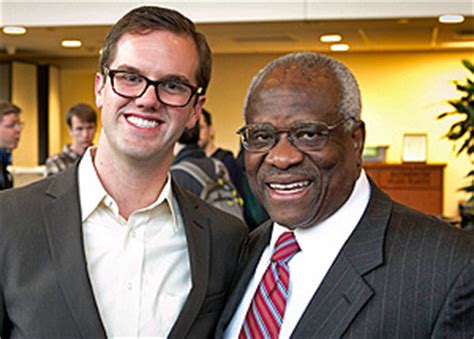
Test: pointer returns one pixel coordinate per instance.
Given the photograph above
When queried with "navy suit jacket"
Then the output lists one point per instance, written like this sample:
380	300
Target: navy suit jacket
45	289
401	274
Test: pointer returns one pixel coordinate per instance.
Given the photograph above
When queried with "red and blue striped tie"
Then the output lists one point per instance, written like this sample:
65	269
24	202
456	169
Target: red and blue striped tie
265	315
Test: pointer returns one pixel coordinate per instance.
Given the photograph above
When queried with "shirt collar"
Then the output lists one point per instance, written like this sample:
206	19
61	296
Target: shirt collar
92	193
338	227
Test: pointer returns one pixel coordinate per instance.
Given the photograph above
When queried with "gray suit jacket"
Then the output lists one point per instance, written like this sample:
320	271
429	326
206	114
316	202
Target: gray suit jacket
401	274
45	289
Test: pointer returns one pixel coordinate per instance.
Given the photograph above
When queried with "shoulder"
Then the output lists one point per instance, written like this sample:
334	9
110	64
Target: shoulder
426	239
20	198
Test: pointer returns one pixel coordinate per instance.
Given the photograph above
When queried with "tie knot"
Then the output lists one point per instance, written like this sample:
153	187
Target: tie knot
285	247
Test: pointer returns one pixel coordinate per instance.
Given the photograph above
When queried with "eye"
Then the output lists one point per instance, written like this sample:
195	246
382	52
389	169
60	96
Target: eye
309	133
129	78
174	87
260	135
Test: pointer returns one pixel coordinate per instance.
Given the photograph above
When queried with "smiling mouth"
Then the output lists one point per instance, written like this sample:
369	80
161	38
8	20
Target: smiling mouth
289	188
142	122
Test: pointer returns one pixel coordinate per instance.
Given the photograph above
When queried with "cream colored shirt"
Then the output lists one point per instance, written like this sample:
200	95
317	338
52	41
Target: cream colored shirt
320	246
139	269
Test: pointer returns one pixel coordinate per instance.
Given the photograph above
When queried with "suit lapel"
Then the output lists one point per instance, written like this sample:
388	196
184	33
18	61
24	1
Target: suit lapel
259	239
344	291
196	227
62	218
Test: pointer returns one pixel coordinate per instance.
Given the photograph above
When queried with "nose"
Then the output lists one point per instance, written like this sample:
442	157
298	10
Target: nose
284	154
149	99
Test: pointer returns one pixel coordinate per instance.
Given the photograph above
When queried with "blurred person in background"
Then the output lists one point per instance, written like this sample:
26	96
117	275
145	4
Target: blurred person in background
82	125
207	142
10	131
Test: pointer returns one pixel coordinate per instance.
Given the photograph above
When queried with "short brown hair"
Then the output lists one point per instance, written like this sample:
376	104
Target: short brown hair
148	18
8	108
83	112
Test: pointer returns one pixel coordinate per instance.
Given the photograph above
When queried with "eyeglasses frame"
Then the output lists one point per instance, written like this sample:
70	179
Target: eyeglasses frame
155	83
327	132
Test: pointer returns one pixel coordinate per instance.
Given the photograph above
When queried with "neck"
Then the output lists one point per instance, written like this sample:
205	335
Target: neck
132	183
210	149
77	149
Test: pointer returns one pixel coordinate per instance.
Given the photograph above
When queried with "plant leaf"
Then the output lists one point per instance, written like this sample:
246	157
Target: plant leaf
469	188
468	65
458	105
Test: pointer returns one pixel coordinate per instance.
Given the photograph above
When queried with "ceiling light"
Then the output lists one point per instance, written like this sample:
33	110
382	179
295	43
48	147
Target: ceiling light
71	43
339	47
458	44
451	19
14	30
330	38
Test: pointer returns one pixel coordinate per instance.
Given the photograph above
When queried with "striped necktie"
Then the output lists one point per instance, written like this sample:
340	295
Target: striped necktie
265	315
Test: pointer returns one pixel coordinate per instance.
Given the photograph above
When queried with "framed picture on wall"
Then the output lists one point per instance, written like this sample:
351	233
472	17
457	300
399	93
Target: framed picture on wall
415	147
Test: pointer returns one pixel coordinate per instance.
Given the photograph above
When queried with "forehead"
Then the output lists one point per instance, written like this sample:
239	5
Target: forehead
78	121
157	53
10	117
284	98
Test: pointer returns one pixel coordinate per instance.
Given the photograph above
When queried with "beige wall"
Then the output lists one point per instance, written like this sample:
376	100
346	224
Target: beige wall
25	95
401	93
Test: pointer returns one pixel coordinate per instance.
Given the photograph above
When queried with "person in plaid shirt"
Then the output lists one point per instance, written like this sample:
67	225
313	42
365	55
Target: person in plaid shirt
82	125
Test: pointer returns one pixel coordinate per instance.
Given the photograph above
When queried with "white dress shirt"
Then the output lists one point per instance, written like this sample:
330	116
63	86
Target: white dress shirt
320	245
139	269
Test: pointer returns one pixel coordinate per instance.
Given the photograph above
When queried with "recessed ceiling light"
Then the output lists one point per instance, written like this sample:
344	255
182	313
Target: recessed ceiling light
451	19
339	47
71	43
459	44
330	38
14	30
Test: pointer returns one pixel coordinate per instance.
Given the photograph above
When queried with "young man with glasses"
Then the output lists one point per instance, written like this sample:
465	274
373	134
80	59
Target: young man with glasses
112	247
10	132
338	258
81	124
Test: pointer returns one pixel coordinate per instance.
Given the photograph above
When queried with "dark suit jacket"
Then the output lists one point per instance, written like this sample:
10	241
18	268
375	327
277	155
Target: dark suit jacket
45	289
401	274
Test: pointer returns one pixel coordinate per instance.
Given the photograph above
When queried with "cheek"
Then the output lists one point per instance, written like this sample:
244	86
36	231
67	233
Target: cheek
253	163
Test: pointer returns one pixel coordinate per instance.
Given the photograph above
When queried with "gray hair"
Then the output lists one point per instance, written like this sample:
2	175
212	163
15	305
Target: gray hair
350	103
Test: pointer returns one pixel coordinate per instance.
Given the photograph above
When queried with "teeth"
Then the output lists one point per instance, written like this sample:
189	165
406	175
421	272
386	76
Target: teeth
290	188
142	123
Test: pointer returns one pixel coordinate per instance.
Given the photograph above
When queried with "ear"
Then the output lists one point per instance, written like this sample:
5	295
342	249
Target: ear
99	85
212	132
358	138
196	112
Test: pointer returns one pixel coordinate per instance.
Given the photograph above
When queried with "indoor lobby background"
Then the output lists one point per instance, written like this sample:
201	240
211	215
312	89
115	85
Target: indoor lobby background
403	89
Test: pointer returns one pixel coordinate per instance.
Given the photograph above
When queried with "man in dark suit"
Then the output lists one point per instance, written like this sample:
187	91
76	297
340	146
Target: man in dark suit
339	258
112	247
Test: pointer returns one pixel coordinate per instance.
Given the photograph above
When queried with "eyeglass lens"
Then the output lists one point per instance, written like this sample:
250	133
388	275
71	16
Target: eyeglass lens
134	85
16	124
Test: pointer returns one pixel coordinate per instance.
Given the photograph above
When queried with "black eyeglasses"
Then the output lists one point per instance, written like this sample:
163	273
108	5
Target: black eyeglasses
132	85
305	135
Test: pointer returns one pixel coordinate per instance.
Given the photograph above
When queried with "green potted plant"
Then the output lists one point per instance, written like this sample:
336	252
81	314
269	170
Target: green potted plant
462	133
